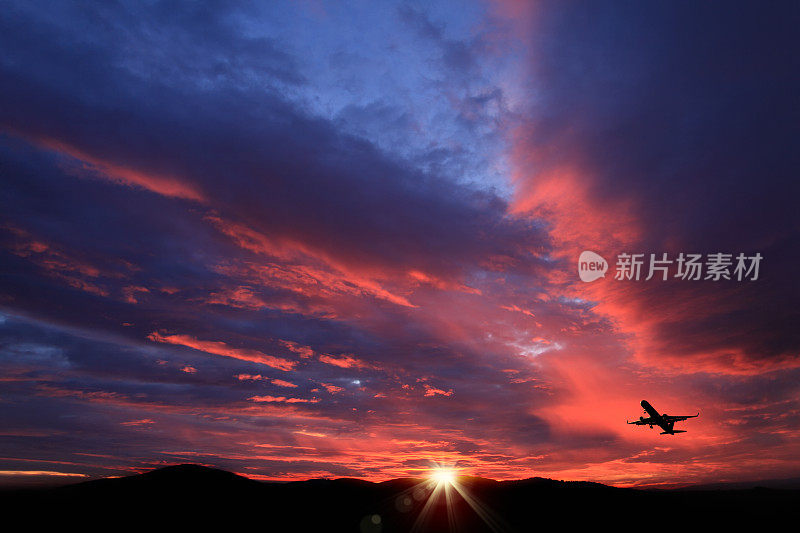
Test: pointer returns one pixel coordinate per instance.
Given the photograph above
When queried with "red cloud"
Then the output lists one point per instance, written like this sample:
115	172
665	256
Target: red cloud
333	389
158	183
282	383
281	399
220	348
302	269
141	422
432	391
345	361
249	377
303	351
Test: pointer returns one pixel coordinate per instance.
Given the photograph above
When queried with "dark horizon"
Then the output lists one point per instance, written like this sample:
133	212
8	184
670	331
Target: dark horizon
789	483
466	504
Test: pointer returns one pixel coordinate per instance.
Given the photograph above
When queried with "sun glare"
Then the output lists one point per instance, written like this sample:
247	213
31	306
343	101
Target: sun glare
443	475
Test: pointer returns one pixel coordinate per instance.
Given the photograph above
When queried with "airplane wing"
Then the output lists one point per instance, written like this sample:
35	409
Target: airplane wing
671	418
643	422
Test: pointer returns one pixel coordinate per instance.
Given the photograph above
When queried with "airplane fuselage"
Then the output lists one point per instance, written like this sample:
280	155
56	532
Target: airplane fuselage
658	420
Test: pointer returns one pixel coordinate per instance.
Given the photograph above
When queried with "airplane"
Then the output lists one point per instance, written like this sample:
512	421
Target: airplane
665	421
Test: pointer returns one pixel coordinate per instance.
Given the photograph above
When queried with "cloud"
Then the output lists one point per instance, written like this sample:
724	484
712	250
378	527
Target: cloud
198	192
333	389
220	348
283	383
249	377
142	422
345	361
40	473
433	391
281	399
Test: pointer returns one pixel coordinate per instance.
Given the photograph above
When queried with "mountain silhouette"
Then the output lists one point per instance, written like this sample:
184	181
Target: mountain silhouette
187	496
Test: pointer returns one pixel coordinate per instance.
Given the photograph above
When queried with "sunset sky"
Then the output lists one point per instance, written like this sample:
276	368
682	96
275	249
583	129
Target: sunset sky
309	239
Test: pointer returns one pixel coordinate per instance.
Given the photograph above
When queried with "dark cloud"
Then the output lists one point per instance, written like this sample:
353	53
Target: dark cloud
264	162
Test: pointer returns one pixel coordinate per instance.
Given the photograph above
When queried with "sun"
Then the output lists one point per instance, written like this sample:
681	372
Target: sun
443	476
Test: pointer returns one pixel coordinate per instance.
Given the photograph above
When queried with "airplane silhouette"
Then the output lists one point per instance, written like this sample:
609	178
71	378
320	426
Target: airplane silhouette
665	421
